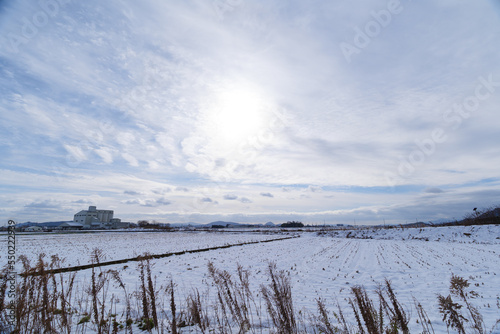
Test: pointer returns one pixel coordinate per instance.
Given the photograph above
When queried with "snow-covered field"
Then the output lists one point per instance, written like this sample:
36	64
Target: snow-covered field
76	248
484	234
325	265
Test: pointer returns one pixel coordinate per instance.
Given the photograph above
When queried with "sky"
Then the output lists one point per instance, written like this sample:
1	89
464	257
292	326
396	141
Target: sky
336	112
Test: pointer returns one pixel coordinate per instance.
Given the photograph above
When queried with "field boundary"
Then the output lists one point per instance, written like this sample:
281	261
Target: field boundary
143	257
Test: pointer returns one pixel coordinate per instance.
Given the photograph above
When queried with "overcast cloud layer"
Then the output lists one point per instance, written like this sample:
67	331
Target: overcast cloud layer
249	111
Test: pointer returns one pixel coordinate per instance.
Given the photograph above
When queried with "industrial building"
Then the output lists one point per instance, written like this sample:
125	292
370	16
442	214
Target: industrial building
97	219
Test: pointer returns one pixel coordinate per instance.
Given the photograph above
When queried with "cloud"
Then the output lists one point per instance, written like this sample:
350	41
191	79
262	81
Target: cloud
76	153
148	202
44	204
162	191
132	192
245	200
434	190
133	202
230	197
105	154
163	201
38	209
314	189
132	161
266	194
82	201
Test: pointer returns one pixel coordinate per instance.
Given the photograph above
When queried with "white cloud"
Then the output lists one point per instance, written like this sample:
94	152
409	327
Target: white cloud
130	159
162	191
105	154
132	192
76	153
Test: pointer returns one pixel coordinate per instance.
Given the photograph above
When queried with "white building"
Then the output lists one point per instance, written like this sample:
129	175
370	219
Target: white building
34	229
96	219
70	226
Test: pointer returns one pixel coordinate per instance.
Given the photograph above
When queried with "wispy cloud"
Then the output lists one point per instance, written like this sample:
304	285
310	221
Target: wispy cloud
434	190
148	202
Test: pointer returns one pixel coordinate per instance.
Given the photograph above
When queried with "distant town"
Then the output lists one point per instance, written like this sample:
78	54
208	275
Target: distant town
94	219
91	219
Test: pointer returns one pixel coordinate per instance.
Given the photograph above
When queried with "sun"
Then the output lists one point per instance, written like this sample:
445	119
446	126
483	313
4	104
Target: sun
236	115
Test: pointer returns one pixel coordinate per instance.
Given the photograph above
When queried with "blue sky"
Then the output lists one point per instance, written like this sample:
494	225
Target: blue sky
249	111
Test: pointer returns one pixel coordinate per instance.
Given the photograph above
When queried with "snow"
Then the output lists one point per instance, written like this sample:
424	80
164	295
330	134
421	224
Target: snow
76	248
489	234
325	265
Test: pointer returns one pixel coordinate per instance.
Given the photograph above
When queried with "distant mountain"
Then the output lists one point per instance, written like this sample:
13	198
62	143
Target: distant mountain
417	224
46	224
270	224
55	224
185	224
223	223
27	224
440	221
233	224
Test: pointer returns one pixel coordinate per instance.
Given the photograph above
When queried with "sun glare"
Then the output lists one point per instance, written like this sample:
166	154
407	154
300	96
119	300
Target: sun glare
237	115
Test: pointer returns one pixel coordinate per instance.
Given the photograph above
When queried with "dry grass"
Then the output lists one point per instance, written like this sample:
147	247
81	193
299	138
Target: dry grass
198	314
234	297
279	302
388	316
173	308
451	310
423	318
325	324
